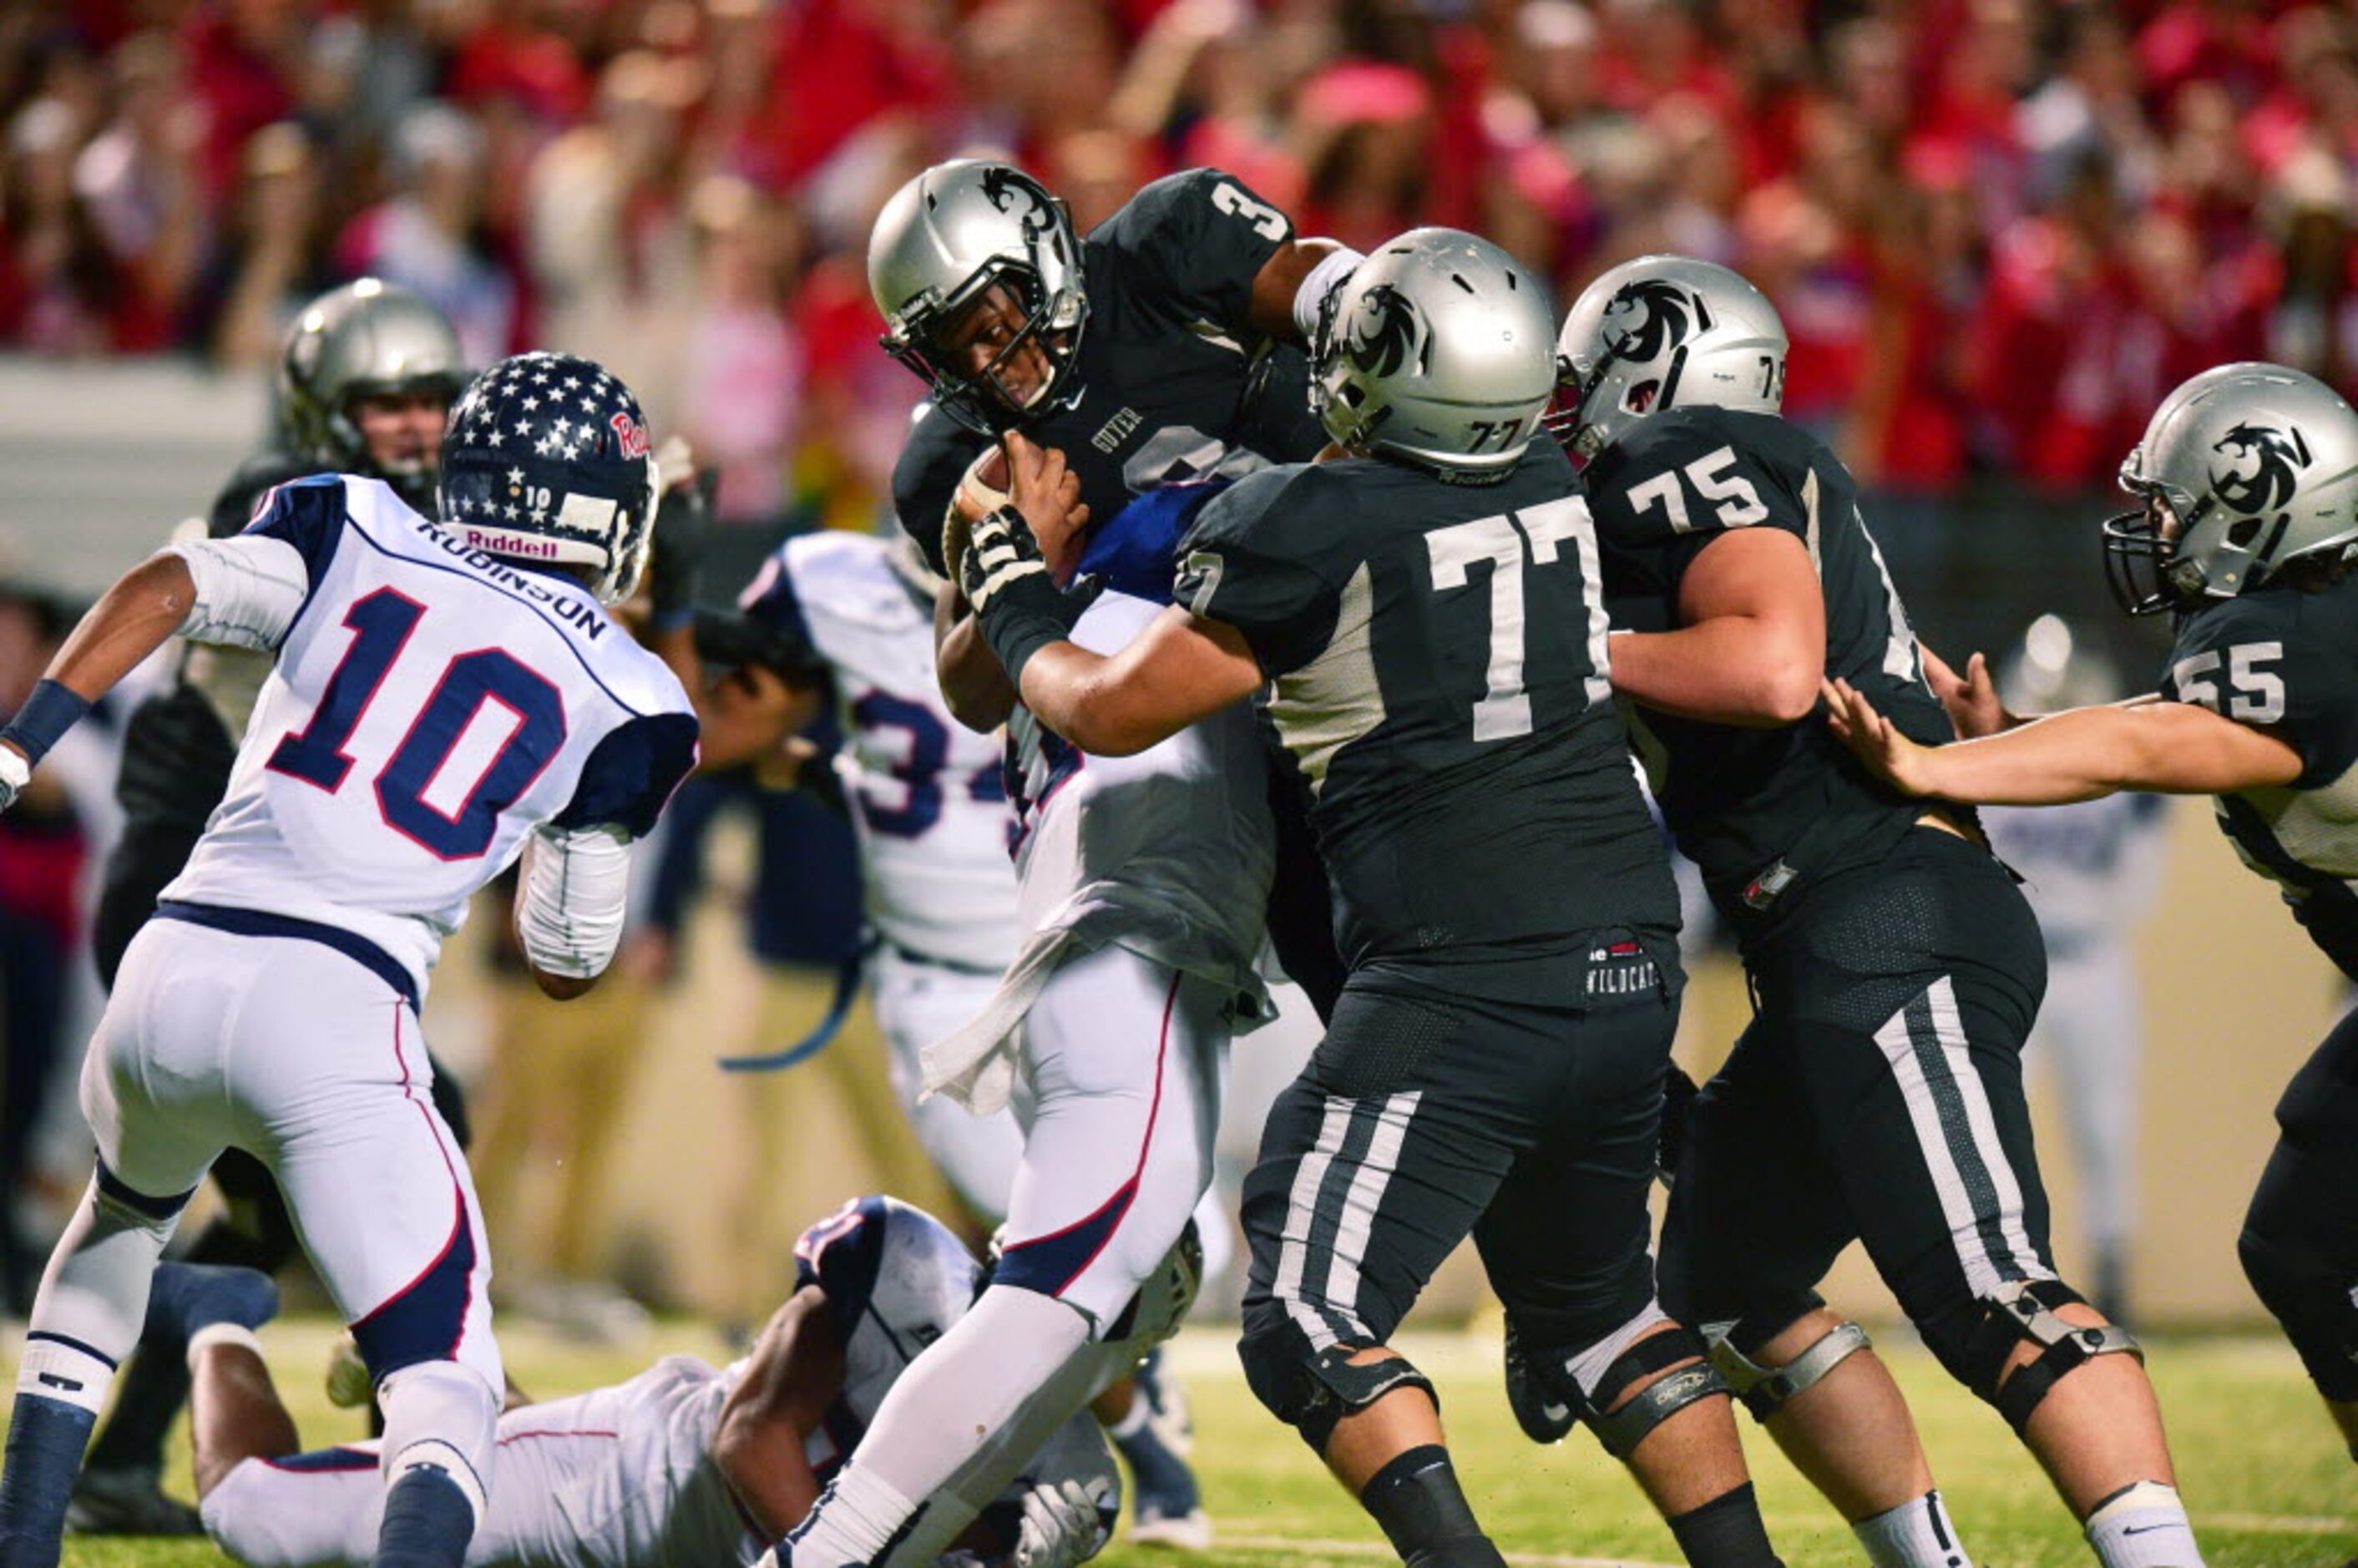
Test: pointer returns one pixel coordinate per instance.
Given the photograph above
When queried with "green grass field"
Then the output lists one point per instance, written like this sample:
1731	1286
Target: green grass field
2268	1486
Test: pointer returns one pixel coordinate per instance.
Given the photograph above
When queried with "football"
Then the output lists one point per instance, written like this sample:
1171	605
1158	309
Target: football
982	490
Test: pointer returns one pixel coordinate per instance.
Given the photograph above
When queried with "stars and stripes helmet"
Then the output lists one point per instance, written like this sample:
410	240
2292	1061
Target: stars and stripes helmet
548	460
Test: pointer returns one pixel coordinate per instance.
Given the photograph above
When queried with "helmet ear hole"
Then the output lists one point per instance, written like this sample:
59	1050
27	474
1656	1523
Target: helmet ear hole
2244	531
1641	397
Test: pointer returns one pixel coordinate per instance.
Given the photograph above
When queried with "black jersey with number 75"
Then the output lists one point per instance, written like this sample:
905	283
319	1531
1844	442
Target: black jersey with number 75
1742	799
1436	659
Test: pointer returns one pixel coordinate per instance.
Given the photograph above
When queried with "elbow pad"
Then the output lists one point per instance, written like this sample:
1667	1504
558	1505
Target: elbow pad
570	910
249	588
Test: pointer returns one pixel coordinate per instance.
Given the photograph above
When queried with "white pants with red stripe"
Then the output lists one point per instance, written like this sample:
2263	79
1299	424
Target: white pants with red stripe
1120	1096
307	1060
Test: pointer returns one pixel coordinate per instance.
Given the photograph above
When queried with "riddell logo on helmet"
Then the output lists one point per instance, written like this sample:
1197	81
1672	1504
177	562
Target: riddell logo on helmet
502	542
631	434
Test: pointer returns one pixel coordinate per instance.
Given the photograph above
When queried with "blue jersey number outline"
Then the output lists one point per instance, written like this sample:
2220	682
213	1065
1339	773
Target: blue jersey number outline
382	624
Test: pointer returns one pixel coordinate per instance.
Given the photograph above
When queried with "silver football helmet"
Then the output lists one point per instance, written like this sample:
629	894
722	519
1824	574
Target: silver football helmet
1664	332
2242	468
366	337
941	246
1438	348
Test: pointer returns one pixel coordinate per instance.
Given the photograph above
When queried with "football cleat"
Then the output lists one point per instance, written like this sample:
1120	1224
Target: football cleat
127	1502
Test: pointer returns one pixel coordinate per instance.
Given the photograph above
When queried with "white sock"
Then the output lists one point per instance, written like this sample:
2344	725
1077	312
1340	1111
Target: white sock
2144	1526
956	1428
440	1413
853	1520
66	1373
1918	1533
214	1334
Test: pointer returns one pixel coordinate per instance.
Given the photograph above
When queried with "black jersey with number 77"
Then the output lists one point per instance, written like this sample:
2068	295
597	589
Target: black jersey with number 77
1437	658
1741	800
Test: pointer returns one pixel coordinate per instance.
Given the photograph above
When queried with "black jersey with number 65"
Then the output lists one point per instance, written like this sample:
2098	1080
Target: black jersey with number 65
1742	800
2288	661
1436	659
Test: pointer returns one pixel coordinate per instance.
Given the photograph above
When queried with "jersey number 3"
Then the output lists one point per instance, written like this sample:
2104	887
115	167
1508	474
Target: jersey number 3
382	623
1505	711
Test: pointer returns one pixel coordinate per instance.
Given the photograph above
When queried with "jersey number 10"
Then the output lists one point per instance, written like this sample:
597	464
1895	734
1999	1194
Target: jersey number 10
1505	711
382	623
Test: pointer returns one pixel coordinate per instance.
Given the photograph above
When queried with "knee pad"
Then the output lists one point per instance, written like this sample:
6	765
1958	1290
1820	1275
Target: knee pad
1764	1389
2023	1311
1312	1391
1620	1430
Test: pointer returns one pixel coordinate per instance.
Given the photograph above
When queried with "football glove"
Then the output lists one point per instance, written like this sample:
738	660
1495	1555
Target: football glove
1000	551
1679	1092
14	774
683	527
1066	1522
1542	1417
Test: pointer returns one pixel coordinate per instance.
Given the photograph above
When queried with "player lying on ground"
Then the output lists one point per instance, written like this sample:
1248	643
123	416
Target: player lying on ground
1895	968
447	696
683	1465
1421	606
2248	480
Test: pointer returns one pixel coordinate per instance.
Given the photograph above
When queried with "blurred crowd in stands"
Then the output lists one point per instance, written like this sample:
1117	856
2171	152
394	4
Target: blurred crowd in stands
1998	229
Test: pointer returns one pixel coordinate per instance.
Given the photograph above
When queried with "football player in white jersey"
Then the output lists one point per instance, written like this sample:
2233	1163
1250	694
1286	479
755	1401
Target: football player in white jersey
685	1464
854	614
447	696
927	795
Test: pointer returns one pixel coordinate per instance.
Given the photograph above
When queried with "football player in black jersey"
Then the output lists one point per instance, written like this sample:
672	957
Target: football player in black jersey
1421	605
1164	346
2248	480
365	383
1895	968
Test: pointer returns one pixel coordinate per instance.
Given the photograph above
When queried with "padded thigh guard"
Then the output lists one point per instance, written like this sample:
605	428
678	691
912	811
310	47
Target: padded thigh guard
1312	1394
2023	1310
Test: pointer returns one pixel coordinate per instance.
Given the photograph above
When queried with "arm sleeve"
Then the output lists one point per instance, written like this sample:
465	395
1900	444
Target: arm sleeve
2251	660
1201	237
576	890
631	773
1238	566
249	589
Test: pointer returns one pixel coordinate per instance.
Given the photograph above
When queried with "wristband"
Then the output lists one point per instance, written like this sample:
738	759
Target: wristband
1024	617
42	722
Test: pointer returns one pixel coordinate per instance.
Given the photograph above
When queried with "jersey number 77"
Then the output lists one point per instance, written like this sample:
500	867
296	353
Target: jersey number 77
1502	539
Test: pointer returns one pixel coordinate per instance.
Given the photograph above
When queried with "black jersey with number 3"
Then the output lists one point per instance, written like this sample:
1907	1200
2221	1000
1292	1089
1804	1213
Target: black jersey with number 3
1742	799
2287	662
1435	655
1175	382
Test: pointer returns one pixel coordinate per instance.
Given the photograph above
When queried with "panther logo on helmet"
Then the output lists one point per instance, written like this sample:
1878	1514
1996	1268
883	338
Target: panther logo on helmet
1382	332
1005	185
1665	323
2260	474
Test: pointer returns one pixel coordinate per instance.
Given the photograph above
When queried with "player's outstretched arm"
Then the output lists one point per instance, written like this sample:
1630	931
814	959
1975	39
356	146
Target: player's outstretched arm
2171	747
570	903
145	607
1750	647
795	1373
